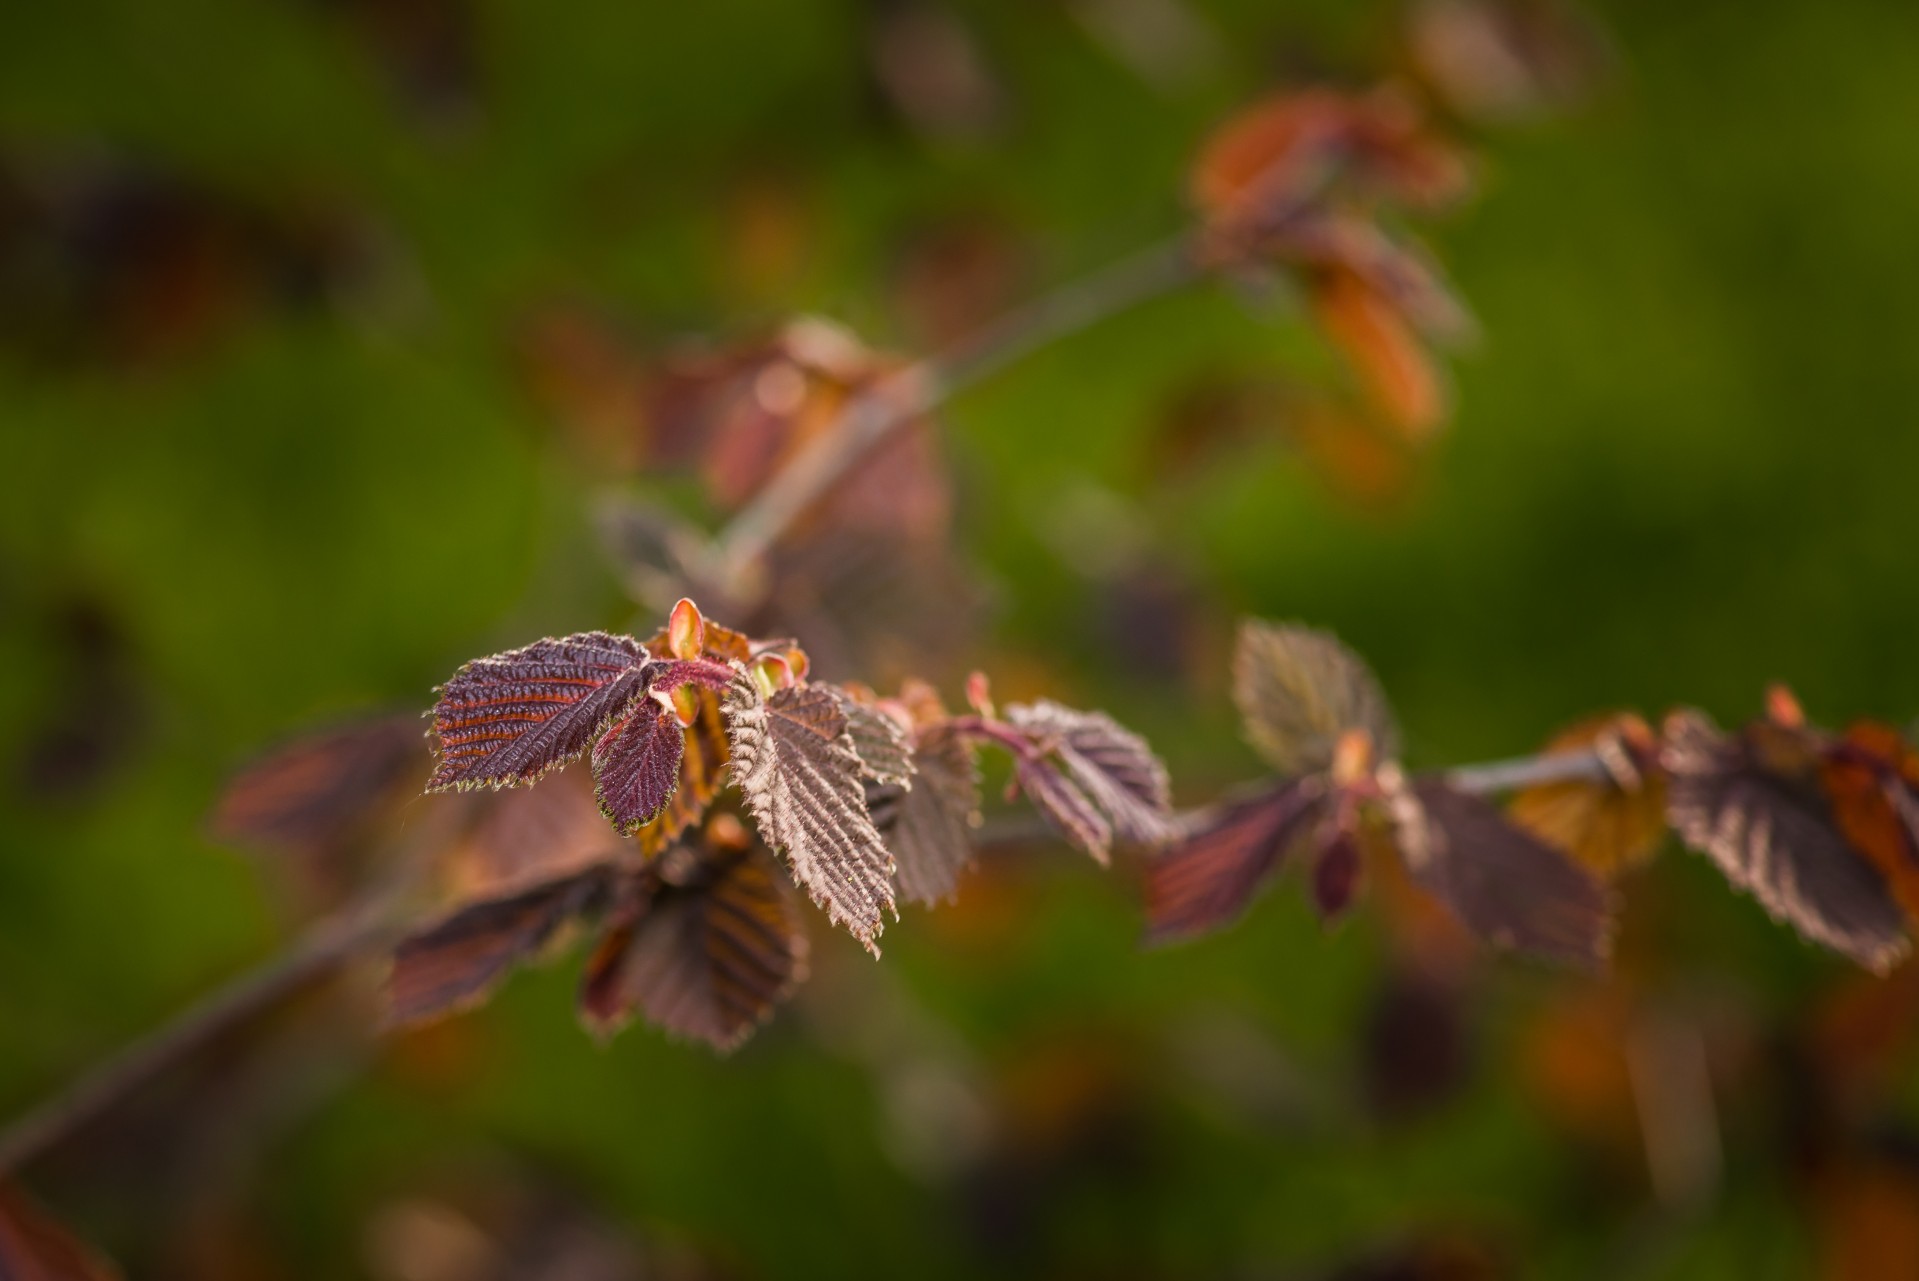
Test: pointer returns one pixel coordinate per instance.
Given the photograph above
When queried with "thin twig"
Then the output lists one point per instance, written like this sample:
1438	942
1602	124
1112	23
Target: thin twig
1582	766
315	954
910	393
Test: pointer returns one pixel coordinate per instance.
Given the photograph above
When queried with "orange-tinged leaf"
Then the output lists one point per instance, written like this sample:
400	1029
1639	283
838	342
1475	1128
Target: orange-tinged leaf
685	630
1610	826
702	773
1385	353
1868	782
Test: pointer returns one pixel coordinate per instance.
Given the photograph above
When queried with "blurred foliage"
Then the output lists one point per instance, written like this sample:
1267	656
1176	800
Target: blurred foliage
267	273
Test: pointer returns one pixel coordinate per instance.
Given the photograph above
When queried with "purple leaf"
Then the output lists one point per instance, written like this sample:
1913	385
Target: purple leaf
319	793
796	767
1773	835
1336	873
1207	880
1113	766
930	828
707	958
510	718
457	963
1061	802
883	745
1503	883
636	765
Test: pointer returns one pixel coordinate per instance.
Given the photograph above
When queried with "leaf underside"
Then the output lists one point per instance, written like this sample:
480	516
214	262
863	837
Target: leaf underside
1112	766
929	829
882	744
795	765
707	961
1063	804
1774	837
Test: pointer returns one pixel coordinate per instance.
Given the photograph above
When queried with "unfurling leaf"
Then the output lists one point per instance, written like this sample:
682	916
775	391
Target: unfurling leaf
881	743
1112	765
636	765
702	772
1207	880
512	717
35	1247
794	763
457	963
685	630
324	791
1751	803
707	958
1505	885
1609	825
929	829
1062	804
1299	690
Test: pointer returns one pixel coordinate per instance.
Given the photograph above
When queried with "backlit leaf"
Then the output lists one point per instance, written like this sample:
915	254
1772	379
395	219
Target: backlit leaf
707	958
35	1247
1870	778
1061	803
794	763
929	829
512	717
1392	364
1507	886
323	791
457	963
1112	765
1611	825
636	765
702	772
526	837
1208	879
882	744
1750	802
1299	690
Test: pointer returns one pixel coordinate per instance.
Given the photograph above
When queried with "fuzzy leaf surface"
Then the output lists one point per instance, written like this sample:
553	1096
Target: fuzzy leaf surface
929	829
1110	764
1298	690
636	765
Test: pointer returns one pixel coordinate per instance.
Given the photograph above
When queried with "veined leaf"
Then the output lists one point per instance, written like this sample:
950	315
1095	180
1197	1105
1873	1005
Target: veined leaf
1207	880
1112	767
883	745
510	718
1505	885
794	763
702	772
1752	805
457	963
707	958
321	792
1299	690
1061	802
636	765
1870	778
930	828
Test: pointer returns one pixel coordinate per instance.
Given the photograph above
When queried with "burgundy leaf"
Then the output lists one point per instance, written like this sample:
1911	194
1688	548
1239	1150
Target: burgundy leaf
1773	835
1061	802
1207	880
708	959
795	764
35	1247
1299	690
1112	765
527	837
1503	883
636	765
929	829
512	717
321	792
1336	873
457	963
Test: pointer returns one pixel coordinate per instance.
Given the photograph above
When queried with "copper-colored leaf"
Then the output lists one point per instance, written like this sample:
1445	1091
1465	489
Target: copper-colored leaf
1751	803
1336	871
702	771
1507	886
1207	880
1385	353
1870	778
636	765
527	837
1299	690
929	829
706	958
1609	825
794	763
1113	766
321	792
34	1247
458	962
512	717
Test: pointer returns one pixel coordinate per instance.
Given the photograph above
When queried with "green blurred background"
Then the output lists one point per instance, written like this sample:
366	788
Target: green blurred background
296	470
